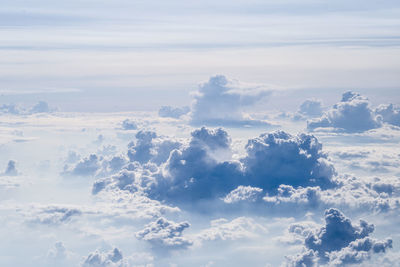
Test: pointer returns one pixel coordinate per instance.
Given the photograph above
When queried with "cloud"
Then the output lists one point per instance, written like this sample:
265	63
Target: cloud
163	233
171	112
221	101
352	114
11	169
204	168
54	215
40	107
238	228
358	251
129	125
280	158
243	193
86	167
58	252
311	108
11	109
14	109
338	242
351	193
111	258
389	114
149	148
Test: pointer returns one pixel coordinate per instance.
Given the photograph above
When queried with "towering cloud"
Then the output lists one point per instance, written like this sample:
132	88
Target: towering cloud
221	101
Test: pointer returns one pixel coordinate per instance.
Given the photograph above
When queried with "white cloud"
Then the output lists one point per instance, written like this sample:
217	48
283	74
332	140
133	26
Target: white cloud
163	233
221	101
351	114
338	242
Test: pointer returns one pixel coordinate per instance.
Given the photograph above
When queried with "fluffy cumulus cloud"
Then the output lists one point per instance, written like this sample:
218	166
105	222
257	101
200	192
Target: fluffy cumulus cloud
311	108
243	193
389	114
205	169
338	243
111	258
128	124
351	114
221	101
281	158
172	112
163	233
104	162
351	193
149	148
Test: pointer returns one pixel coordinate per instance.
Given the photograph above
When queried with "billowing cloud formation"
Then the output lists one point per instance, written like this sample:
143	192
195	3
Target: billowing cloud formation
311	108
105	162
243	193
280	158
165	234
171	112
112	258
221	102
202	169
389	114
339	242
373	195
351	114
128	124
359	251
149	148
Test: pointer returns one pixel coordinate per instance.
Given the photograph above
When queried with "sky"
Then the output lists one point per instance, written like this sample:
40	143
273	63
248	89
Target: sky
199	133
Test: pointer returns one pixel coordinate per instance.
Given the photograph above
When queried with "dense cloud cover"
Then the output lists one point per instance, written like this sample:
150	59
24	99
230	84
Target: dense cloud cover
221	101
338	242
